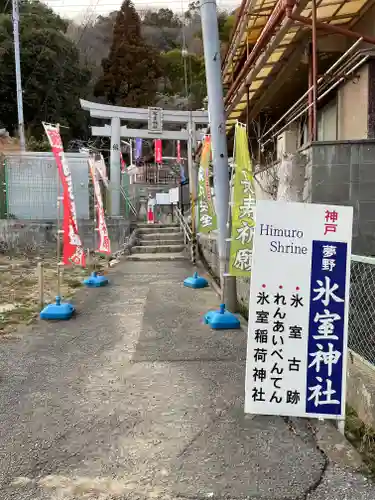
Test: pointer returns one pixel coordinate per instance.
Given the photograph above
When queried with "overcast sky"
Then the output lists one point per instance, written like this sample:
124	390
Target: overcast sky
79	8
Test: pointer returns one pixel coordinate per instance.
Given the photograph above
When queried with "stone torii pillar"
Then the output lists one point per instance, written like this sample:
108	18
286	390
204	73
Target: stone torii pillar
155	118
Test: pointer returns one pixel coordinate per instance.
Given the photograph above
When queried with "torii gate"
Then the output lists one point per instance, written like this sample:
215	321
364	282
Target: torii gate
155	118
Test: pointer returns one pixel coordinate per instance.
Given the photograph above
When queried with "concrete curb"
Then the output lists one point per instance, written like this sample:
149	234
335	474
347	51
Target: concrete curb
209	278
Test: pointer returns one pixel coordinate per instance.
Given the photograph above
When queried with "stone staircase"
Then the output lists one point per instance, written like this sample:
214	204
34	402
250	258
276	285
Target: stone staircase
158	242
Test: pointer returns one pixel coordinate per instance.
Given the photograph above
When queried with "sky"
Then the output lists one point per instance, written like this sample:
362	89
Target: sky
80	8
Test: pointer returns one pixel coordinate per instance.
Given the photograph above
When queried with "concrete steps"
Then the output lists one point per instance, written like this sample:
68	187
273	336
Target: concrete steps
162	242
158	229
154	237
159	242
152	227
158	248
157	256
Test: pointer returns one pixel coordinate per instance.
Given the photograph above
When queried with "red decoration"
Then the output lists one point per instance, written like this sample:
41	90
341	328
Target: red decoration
73	252
158	151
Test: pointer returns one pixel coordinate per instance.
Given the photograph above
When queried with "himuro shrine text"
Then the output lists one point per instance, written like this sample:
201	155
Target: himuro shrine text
283	247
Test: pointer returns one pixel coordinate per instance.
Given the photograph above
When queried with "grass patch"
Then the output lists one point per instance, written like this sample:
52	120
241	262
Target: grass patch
243	310
19	315
73	282
19	289
362	437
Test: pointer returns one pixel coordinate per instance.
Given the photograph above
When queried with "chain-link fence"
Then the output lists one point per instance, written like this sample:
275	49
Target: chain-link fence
30	185
362	307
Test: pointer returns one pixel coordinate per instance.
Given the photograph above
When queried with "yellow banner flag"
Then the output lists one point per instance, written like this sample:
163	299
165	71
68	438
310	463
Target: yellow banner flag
243	207
206	211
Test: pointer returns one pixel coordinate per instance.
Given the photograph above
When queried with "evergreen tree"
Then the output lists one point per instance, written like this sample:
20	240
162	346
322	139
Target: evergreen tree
52	75
131	71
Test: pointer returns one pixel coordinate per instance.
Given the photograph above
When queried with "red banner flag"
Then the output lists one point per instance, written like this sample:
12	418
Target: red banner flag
73	252
123	164
104	243
178	151
158	151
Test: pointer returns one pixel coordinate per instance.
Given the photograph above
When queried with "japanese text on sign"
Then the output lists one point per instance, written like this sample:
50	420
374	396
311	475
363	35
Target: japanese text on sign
243	208
326	332
272	333
297	338
155	119
206	211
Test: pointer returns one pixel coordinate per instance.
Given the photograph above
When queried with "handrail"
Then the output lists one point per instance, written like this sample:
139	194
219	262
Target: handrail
127	199
183	224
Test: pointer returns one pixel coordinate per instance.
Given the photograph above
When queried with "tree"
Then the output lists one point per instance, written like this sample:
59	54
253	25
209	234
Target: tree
53	79
132	69
162	29
162	18
174	71
226	24
93	40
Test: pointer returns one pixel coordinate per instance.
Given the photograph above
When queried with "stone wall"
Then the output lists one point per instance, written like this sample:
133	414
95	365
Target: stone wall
361	388
208	249
40	236
343	173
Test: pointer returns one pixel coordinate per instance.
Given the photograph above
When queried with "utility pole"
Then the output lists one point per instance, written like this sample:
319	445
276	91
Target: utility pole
16	41
212	59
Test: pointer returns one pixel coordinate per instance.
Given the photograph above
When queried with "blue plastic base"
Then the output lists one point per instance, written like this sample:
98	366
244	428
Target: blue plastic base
222	319
58	311
95	281
195	281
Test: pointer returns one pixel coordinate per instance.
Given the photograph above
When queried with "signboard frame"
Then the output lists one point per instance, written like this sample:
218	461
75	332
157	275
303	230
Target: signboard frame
300	252
155	120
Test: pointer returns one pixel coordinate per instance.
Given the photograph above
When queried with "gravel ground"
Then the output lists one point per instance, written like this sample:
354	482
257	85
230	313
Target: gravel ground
341	484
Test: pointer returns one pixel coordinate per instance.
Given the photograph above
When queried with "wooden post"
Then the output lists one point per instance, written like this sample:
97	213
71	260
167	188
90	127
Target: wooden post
40	273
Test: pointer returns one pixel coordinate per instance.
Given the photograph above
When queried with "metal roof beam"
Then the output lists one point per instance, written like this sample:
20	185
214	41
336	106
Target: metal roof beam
333	28
287	69
262	60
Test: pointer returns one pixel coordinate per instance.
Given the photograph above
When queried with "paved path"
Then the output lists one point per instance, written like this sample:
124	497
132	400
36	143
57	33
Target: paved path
136	399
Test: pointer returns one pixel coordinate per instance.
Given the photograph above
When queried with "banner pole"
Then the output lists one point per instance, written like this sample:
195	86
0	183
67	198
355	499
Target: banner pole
93	173
62	310
59	231
101	242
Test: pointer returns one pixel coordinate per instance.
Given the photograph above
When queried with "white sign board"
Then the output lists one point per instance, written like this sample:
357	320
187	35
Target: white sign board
298	312
162	199
155	119
174	195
